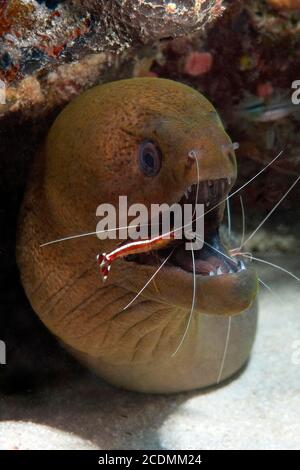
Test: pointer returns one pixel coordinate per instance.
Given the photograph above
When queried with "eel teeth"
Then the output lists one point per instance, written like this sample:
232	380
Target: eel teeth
219	270
206	192
223	186
241	265
188	191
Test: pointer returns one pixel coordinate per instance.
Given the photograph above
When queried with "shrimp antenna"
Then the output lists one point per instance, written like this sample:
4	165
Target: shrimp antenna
271	212
225	350
192	307
151	278
87	234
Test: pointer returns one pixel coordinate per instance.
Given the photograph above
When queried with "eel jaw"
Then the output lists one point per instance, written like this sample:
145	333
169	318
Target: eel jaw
213	259
225	284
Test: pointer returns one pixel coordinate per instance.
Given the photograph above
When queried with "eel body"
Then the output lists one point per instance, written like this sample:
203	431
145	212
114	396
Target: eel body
134	138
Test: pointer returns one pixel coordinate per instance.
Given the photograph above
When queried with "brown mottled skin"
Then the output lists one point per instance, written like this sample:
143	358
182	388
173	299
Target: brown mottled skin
90	157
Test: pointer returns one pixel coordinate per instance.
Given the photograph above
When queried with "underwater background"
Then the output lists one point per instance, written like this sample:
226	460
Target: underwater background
244	56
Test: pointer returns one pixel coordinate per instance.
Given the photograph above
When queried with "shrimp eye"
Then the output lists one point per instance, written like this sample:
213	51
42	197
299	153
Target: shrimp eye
150	158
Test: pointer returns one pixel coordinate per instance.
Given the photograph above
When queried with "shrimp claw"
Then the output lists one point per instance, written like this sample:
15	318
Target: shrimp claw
104	265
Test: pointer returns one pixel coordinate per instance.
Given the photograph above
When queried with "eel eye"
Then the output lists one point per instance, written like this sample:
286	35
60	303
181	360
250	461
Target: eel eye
149	158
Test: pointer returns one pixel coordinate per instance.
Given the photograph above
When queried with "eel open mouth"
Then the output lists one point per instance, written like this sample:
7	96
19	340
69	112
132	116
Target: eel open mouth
213	258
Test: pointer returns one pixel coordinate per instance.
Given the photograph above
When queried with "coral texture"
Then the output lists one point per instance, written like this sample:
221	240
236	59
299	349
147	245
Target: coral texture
38	35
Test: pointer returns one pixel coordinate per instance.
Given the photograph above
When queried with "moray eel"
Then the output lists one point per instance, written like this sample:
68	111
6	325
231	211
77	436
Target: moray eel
95	152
